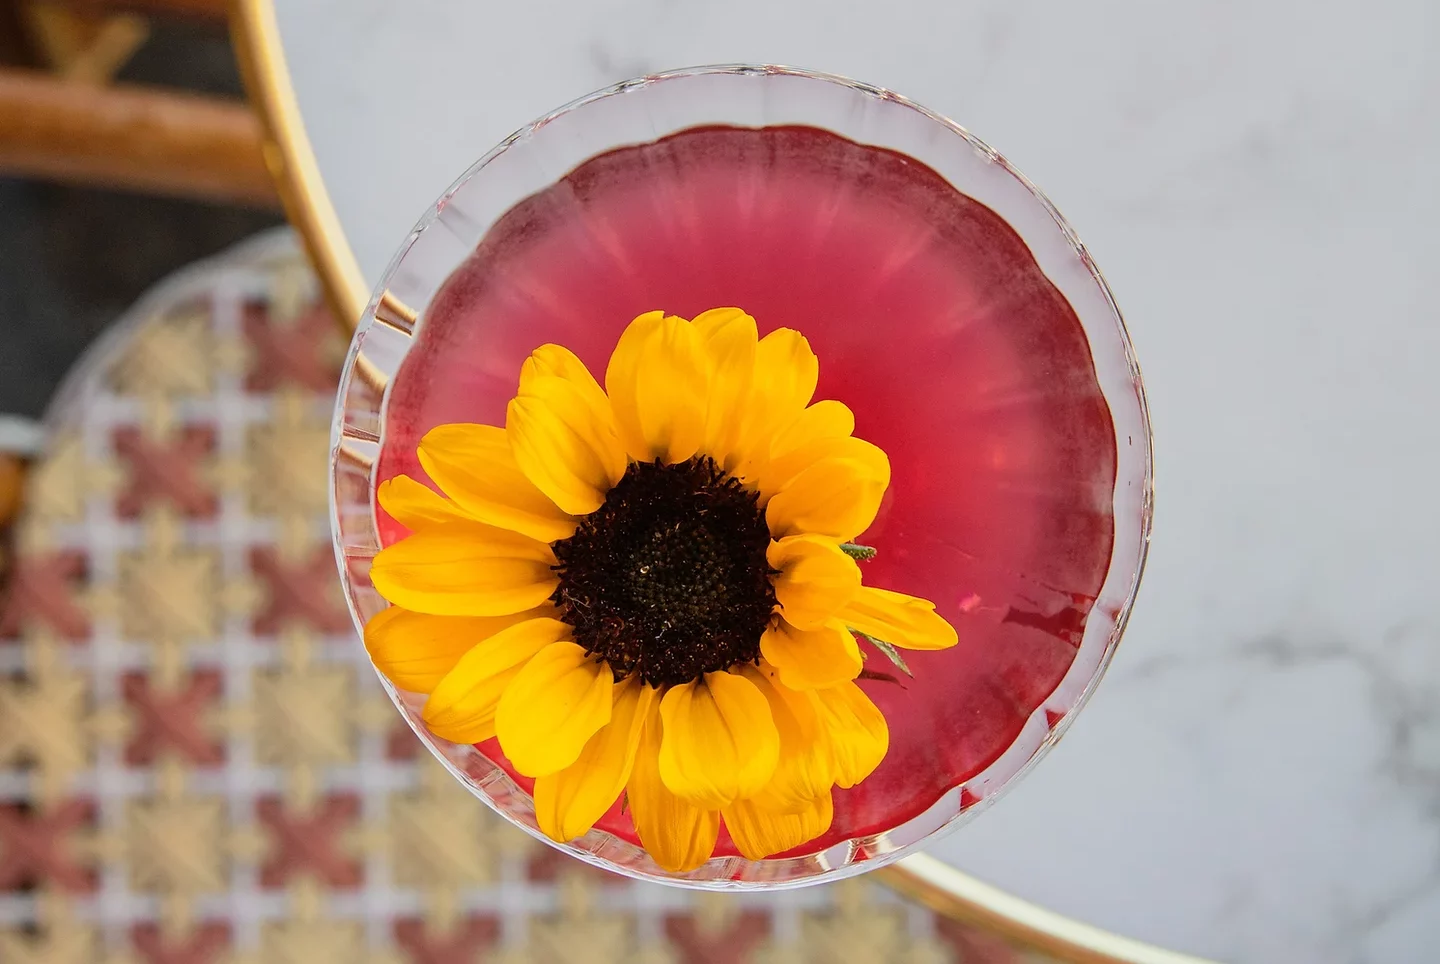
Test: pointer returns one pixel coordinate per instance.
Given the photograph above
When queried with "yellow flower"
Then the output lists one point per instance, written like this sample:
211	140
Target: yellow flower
646	589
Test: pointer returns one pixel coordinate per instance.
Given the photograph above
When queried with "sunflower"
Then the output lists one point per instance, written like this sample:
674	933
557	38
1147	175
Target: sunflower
650	589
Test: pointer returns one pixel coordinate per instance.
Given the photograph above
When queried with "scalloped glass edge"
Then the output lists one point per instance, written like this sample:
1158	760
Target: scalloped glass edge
747	96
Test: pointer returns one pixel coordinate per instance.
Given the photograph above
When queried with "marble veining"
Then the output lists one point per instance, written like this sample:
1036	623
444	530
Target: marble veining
1258	778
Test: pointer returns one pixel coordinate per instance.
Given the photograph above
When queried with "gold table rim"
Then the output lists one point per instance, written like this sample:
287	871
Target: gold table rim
291	162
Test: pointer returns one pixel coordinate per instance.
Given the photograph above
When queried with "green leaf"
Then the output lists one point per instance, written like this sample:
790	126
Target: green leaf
891	653
854	551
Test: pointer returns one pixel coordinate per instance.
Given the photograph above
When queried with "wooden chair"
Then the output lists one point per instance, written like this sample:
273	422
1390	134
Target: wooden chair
61	117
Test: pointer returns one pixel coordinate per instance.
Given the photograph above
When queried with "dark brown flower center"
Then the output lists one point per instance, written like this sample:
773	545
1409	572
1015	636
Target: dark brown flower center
668	578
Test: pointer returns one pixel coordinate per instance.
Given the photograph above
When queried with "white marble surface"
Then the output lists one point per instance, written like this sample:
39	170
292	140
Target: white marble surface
1258	779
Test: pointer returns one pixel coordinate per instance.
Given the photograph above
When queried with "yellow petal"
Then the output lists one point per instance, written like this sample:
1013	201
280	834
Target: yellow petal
729	337
906	621
823	420
855	729
476	468
462	707
415	505
556	361
465	570
568	803
758	833
720	742
811	658
658	380
552	708
714	321
678	835
835	497
786	371
564	443
815	579
783	469
802	772
416	650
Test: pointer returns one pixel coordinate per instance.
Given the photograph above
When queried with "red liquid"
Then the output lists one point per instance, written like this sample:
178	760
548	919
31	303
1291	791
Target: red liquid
931	321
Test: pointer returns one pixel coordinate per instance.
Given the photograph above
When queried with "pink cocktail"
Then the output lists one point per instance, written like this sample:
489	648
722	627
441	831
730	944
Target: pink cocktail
972	339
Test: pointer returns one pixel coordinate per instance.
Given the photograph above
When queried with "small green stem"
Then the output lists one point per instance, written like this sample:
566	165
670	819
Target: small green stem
891	653
855	551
